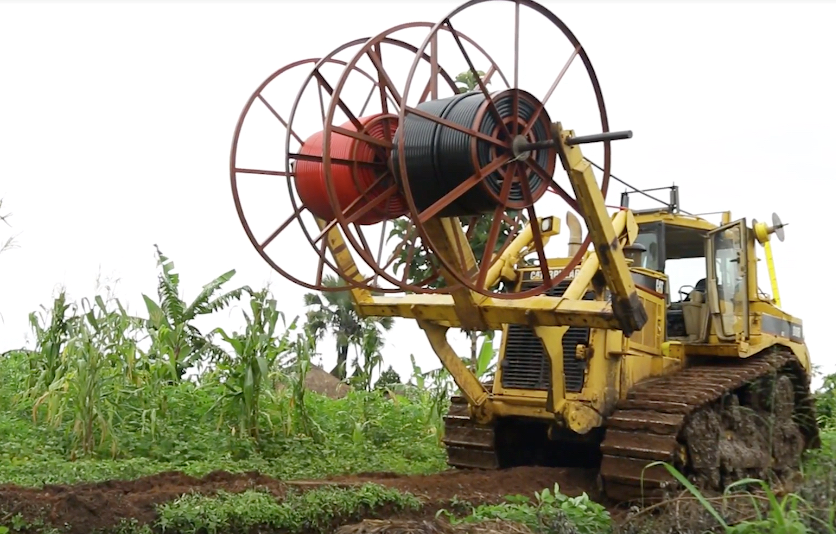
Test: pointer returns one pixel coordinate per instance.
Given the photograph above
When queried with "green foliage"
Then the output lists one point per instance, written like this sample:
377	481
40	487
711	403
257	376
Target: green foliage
9	241
102	396
96	403
826	402
388	378
246	373
467	80
790	513
550	512
317	510
175	340
336	315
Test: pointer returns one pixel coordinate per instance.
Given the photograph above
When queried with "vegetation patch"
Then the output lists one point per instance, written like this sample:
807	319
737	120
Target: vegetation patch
317	510
118	423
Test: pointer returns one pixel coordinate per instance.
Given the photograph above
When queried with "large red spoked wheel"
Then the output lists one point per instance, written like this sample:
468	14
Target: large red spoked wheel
358	198
456	156
256	153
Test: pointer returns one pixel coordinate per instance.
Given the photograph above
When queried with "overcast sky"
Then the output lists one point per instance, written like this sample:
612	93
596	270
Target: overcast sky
116	122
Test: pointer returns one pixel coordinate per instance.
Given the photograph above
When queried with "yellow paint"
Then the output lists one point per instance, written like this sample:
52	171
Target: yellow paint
614	362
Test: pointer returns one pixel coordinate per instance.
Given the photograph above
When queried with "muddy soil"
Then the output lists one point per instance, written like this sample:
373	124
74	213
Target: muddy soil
101	505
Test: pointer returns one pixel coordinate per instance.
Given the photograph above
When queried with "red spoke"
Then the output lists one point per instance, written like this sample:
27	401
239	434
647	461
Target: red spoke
374	53
516	105
434	66
383	78
338	161
380	248
541	172
542	105
363	241
321	101
458	128
354	120
260	171
368	99
351	206
281	120
321	267
491	106
373	203
462	188
279	230
493	235
410	255
535	229
490	73
363	137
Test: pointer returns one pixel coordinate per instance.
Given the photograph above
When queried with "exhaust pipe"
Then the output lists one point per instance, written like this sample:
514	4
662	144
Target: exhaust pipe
574	233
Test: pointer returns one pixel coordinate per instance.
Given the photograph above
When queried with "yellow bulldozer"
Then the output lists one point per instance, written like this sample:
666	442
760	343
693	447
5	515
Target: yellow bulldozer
602	363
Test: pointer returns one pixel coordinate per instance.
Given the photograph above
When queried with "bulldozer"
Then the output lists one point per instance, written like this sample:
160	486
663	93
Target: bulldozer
602	363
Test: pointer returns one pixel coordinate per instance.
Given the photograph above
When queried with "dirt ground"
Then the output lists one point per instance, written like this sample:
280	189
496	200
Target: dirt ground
100	505
321	381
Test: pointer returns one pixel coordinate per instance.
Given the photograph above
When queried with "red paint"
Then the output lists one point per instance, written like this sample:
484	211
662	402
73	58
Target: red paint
350	181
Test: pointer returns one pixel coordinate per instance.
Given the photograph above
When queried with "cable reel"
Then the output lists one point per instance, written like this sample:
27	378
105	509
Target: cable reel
395	160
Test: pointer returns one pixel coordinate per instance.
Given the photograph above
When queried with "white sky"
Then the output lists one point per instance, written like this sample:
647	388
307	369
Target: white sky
116	123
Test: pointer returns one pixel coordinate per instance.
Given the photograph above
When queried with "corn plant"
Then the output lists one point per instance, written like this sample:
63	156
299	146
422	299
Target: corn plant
304	348
256	350
84	392
52	332
433	389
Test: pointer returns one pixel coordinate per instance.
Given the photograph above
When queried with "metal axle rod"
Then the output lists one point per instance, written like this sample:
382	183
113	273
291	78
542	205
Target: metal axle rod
520	145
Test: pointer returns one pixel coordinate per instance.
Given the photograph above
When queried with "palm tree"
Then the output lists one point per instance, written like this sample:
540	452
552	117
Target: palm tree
337	315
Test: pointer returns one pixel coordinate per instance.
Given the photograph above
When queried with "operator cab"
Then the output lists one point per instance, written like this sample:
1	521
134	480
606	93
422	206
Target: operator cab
678	252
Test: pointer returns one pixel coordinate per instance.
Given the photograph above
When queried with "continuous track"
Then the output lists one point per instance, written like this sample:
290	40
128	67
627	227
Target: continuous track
718	421
469	444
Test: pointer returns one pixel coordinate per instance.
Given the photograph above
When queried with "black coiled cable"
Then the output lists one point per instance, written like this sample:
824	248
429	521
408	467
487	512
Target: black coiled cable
439	158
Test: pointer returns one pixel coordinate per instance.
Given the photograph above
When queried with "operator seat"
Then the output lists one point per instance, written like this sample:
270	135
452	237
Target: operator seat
683	318
695	311
699	287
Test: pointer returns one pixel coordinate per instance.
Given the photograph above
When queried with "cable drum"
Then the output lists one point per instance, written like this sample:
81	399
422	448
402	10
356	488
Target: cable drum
350	182
439	158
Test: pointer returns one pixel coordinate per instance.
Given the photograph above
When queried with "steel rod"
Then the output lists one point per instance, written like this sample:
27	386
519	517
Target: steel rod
597	138
521	147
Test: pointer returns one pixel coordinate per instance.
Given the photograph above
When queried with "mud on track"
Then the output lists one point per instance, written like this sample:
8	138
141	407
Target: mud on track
91	506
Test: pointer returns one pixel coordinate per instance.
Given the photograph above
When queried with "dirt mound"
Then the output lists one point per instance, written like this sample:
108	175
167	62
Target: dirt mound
321	381
92	506
100	505
484	486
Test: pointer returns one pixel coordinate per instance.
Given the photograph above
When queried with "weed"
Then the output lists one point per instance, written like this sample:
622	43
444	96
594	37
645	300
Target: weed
551	512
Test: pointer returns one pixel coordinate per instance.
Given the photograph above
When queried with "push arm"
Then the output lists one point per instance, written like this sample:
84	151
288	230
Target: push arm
627	307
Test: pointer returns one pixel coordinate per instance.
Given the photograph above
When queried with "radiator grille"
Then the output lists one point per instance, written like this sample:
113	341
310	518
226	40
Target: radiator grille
525	364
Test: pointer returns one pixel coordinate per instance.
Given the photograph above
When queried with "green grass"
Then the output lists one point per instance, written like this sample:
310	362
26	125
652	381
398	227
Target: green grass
362	432
318	510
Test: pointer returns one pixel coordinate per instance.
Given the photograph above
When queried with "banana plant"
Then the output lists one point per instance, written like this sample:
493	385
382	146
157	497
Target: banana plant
175	339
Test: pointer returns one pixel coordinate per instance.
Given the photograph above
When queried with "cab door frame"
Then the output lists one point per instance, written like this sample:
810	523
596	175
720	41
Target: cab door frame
727	280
